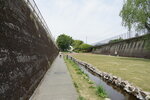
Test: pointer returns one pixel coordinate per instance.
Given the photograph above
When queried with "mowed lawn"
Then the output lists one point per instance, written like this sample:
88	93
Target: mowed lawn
134	70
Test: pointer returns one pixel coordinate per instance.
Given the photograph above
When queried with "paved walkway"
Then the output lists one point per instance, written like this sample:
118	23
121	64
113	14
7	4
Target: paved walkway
56	84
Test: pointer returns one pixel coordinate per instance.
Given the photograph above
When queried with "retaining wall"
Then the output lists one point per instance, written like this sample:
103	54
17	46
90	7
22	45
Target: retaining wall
26	50
134	47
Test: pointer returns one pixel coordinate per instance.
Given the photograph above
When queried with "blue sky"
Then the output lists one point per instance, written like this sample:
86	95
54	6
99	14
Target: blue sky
95	19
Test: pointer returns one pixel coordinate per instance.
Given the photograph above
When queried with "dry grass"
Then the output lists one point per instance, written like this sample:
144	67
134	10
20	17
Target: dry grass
135	70
85	89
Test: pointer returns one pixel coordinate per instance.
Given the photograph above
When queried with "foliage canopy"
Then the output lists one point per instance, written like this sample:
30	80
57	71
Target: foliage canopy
84	46
64	42
77	43
136	13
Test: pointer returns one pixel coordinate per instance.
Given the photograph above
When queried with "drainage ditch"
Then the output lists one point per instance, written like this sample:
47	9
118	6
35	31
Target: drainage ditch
113	92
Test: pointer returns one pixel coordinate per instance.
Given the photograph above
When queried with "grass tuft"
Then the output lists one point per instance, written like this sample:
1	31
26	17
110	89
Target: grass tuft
81	98
101	92
92	87
75	84
90	82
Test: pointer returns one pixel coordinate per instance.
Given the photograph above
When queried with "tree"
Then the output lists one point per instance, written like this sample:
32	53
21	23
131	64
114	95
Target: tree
77	43
136	13
84	47
64	42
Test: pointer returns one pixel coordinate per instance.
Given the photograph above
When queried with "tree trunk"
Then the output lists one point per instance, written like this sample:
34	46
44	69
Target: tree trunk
147	26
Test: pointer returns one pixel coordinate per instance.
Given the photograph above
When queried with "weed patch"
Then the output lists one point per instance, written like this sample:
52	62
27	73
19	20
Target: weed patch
81	98
101	92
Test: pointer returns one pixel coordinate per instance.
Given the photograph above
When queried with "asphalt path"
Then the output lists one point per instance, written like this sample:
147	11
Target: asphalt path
56	84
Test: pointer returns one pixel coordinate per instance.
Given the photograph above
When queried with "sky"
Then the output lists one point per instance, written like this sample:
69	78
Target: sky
94	20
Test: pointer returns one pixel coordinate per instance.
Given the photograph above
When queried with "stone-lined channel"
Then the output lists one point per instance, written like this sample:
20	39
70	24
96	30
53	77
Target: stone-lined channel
113	92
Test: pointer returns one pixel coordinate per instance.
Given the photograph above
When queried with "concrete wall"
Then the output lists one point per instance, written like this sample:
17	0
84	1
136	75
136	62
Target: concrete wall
26	51
135	47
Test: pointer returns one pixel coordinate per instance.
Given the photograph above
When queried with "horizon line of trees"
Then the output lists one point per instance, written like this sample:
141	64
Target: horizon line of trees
65	42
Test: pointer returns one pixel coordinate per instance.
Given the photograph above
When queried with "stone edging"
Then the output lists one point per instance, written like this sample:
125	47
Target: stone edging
114	80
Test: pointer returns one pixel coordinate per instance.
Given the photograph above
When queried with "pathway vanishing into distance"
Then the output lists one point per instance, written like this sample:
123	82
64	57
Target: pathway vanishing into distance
56	84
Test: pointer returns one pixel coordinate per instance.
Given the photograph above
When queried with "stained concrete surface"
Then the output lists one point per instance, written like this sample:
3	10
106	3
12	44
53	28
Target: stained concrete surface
26	50
56	84
133	47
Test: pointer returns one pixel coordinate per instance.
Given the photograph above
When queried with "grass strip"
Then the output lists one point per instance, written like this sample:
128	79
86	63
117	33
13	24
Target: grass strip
85	87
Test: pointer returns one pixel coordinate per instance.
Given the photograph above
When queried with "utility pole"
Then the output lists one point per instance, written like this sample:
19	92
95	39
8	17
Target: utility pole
86	39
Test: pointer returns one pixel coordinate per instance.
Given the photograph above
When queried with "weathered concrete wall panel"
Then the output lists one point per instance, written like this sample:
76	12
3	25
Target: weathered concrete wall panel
135	47
26	50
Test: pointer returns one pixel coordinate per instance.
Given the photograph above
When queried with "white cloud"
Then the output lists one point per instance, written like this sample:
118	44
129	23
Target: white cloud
96	19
